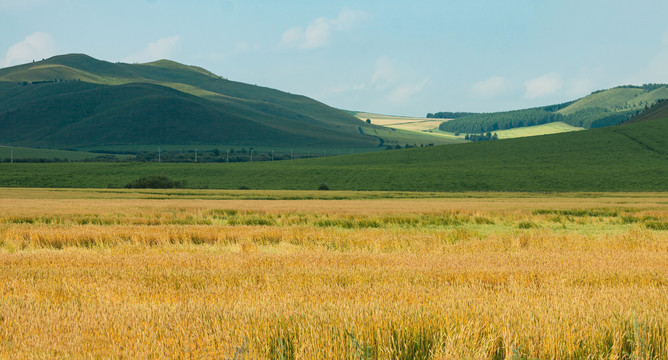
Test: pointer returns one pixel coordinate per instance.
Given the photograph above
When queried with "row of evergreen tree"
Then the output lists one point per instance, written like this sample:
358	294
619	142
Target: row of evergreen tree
481	137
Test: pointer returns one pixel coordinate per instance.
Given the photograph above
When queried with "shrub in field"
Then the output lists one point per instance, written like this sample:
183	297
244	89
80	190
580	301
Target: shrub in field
323	186
155	182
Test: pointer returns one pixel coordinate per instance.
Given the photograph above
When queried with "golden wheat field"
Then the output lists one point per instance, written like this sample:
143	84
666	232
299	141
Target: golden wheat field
94	274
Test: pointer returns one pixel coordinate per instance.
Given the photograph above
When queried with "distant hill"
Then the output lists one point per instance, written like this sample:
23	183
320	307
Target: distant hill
600	109
628	157
78	102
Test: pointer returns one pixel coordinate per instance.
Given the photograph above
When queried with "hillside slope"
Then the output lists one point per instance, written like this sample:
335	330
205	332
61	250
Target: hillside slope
90	102
658	111
629	157
599	109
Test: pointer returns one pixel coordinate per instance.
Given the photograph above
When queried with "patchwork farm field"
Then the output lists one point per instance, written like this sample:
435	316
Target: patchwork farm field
332	275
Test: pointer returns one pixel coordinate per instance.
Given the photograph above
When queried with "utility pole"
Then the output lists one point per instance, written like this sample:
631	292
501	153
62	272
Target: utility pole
291	155
158	153
11	156
251	153
228	156
195	155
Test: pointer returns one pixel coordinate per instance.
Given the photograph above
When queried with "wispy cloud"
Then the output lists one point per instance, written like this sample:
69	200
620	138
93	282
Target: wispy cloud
161	49
404	92
398	84
388	80
385	73
544	85
492	87
36	46
318	33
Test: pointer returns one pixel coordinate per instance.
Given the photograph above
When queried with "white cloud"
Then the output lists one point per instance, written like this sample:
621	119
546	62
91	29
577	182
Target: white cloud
385	73
542	86
399	84
319	31
317	34
491	87
161	49
348	18
34	47
388	82
404	92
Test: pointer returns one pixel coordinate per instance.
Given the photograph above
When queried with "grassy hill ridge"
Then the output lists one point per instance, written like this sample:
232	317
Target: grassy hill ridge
183	99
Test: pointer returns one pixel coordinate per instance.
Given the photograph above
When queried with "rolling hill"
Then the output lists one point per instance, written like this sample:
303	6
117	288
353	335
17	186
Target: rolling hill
599	109
78	102
628	157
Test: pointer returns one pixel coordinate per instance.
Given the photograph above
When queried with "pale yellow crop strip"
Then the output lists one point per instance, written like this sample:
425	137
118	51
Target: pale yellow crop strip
434	279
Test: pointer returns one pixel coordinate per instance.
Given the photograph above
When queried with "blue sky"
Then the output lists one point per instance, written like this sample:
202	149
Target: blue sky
393	57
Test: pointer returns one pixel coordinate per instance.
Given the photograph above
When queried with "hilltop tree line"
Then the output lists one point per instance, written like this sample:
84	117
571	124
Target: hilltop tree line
482	123
645	87
449	115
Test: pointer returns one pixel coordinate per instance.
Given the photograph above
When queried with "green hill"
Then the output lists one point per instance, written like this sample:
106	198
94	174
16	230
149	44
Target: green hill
629	157
87	115
620	99
600	109
75	101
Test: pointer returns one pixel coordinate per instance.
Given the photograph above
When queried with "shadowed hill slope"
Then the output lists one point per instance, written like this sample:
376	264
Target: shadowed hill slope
658	111
72	101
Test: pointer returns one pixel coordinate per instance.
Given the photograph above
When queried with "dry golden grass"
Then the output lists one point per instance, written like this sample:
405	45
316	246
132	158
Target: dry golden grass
401	122
507	276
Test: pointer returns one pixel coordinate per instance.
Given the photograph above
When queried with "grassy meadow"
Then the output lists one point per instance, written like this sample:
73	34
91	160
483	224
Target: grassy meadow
332	275
630	157
545	129
400	122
